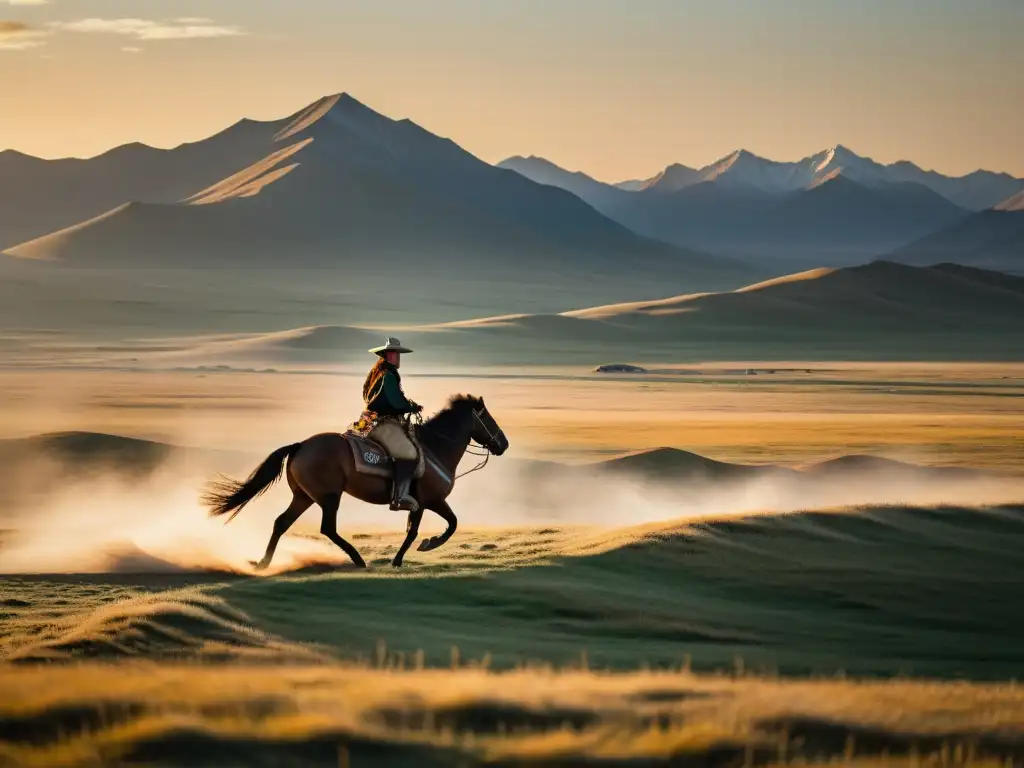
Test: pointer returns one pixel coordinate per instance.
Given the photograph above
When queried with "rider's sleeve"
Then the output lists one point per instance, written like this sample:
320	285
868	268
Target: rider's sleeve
394	395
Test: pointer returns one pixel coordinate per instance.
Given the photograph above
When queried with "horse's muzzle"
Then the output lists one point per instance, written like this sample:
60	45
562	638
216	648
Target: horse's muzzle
499	444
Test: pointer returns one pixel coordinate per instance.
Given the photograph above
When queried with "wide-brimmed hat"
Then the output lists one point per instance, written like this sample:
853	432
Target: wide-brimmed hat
391	345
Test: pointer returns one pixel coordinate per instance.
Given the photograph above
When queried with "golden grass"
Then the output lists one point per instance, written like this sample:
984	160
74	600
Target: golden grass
530	715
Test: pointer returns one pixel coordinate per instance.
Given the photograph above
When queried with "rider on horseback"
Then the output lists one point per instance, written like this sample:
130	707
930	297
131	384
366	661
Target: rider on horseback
385	419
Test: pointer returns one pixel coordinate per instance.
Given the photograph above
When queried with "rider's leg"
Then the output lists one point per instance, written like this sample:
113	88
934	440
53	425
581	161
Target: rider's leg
401	449
401	498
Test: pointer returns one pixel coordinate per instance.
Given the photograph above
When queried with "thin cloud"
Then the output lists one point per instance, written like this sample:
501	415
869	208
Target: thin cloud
150	29
24	2
131	49
18	36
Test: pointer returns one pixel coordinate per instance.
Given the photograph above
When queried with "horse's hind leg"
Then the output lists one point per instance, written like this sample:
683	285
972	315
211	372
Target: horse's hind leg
300	503
329	527
442	509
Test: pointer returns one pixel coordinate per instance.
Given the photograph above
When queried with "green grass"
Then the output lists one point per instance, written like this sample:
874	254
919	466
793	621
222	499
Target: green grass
880	592
886	591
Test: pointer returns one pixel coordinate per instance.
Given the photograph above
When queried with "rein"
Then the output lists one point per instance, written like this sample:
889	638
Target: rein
481	465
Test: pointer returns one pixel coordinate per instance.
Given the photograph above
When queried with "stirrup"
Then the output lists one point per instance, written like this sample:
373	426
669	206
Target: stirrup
401	498
405	501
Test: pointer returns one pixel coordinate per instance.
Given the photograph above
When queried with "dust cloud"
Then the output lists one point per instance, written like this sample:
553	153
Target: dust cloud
110	523
107	523
594	496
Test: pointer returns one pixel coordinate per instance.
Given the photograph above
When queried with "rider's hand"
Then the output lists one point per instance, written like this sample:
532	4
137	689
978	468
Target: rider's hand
417	408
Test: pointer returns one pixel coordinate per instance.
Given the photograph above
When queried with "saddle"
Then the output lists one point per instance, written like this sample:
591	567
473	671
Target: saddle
371	458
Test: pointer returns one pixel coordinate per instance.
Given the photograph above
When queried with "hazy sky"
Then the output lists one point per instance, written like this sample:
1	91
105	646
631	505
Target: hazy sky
616	88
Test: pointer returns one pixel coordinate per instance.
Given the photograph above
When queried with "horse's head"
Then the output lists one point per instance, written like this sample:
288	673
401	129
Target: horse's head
485	429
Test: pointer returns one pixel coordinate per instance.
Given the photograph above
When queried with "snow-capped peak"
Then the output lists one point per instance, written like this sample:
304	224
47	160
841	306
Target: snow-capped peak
744	168
826	161
673	178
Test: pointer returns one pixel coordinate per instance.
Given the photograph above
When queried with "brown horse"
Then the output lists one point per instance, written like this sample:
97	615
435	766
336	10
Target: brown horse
323	467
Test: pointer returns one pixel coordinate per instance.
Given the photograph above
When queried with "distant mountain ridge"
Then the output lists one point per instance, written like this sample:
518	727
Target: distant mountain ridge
833	207
338	185
41	196
829	209
974	191
991	239
1014	203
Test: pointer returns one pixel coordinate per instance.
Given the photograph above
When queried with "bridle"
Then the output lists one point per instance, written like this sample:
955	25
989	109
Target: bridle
492	438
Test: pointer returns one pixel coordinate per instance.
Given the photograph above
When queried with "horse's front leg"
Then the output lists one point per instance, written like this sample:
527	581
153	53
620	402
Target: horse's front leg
412	530
442	509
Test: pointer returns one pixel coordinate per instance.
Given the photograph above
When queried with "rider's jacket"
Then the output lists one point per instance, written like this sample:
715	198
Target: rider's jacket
383	396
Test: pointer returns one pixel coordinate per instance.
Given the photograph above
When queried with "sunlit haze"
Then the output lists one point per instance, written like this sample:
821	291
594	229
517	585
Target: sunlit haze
615	88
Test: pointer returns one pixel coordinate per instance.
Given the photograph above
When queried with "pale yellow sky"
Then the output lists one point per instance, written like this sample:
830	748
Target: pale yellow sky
616	88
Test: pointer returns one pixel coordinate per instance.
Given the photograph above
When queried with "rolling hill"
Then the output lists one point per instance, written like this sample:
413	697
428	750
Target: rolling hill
881	310
339	186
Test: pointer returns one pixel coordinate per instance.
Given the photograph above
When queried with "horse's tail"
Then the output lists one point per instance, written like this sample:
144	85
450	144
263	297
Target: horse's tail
226	494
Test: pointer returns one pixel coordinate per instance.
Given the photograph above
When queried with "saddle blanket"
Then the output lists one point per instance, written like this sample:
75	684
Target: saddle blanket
371	459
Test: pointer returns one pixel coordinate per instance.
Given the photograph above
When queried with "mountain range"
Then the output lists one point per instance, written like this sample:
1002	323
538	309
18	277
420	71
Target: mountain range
975	191
992	239
336	211
833	207
335	186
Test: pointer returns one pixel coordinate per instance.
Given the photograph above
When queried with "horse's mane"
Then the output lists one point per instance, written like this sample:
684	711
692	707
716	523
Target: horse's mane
461	400
445	420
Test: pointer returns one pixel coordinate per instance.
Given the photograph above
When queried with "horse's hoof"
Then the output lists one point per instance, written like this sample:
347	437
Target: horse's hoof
396	565
425	546
258	565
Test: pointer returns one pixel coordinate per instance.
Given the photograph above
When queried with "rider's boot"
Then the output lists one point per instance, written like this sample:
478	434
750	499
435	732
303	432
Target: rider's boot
401	498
